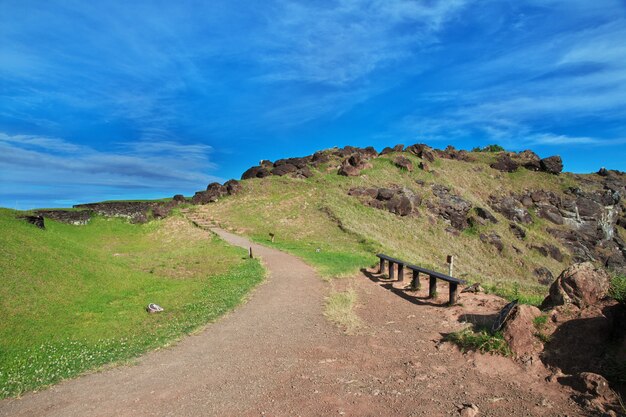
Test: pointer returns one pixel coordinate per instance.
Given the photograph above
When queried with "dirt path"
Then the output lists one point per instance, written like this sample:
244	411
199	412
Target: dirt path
276	355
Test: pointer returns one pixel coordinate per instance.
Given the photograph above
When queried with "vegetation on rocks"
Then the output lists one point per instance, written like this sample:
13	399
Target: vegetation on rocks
480	340
618	288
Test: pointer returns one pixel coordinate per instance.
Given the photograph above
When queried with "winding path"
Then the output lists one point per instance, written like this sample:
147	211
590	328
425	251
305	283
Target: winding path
222	370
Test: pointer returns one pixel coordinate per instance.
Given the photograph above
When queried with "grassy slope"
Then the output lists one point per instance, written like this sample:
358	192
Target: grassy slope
317	213
72	298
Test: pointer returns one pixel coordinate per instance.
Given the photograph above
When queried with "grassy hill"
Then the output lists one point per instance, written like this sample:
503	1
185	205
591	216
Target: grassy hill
72	297
316	219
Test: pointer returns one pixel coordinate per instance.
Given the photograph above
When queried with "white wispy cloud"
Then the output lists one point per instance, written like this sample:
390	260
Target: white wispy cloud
146	167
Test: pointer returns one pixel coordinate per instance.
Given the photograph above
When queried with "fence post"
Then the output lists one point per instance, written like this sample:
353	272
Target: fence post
250	252
400	272
392	271
381	268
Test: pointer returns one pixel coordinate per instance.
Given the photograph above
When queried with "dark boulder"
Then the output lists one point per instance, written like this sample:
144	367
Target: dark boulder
493	239
284	169
517	231
304	173
232	187
549	250
510	208
505	164
400	205
386	151
385	194
255	172
451	207
398	148
422	151
544	276
581	284
550	213
297	162
403	163
485	214
35	220
552	164
179	198
320	157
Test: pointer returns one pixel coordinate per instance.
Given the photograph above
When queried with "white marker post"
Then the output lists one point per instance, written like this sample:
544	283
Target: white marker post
450	261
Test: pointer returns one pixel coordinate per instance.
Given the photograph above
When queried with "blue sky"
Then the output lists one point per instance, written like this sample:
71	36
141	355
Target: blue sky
111	100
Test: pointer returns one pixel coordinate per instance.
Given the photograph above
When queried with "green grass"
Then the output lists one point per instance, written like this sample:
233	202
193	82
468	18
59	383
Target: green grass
618	288
73	297
480	340
339	308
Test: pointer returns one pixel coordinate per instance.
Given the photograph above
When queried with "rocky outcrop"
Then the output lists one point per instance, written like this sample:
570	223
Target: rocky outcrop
517	231
422	151
399	201
135	211
485	215
505	163
35	220
451	153
511	208
75	217
551	165
520	331
352	166
549	250
529	160
450	207
255	172
581	284
232	187
493	239
403	162
544	276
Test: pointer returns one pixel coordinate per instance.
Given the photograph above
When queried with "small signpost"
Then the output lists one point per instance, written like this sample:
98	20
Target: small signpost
450	261
250	252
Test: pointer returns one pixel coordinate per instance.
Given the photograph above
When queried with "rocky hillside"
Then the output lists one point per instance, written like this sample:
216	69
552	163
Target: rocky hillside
510	218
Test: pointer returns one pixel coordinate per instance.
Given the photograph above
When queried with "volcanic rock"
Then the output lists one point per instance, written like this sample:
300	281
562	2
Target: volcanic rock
581	284
520	331
485	214
493	239
232	187
510	208
517	231
451	207
403	163
284	169
505	164
544	276
255	172
550	213
552	164
35	220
